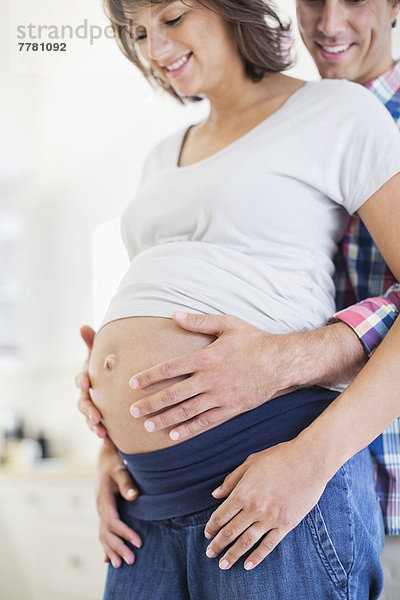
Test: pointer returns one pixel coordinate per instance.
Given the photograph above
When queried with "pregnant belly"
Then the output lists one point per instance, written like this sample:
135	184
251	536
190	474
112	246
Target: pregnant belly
121	349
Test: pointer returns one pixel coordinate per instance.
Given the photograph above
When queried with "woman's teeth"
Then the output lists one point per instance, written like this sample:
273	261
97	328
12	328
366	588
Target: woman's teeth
335	49
178	64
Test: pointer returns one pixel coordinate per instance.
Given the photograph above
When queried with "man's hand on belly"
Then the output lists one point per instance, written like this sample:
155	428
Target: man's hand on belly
243	368
237	372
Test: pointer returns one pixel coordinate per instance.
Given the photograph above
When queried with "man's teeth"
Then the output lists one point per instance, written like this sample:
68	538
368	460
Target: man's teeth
335	49
178	64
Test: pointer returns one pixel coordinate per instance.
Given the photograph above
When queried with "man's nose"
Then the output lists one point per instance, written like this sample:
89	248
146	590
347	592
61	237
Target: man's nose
333	18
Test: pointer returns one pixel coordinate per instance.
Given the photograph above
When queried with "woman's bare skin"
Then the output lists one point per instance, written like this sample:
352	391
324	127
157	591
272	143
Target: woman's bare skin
121	348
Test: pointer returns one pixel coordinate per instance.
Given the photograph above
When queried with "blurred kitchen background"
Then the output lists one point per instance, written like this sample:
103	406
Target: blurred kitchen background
74	130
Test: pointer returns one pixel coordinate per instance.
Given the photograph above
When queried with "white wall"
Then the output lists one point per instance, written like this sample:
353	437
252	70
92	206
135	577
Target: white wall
80	134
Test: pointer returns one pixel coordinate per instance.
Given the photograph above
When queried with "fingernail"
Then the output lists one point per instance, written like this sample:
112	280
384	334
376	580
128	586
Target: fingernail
115	564
133	383
210	553
128	560
248	566
224	564
91	418
217	491
130	493
136	544
149	425
135	411
207	535
174	435
181	315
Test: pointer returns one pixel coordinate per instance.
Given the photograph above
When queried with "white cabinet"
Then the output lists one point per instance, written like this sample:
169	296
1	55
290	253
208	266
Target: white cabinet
10	288
50	549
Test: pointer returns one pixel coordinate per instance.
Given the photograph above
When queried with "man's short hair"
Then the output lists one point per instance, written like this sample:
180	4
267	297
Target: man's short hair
394	3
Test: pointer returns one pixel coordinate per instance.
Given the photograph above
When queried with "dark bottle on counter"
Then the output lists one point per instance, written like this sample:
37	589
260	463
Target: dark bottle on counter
42	441
13	436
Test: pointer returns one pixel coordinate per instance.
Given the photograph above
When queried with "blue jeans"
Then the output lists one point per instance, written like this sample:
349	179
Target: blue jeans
333	554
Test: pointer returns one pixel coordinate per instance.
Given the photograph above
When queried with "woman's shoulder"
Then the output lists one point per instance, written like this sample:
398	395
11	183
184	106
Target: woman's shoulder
343	92
165	153
340	101
166	145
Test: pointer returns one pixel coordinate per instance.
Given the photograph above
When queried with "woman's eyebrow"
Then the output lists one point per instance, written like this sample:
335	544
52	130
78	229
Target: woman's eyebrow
160	8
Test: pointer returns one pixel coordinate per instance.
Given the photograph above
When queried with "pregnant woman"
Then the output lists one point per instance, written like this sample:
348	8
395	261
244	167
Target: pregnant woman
239	214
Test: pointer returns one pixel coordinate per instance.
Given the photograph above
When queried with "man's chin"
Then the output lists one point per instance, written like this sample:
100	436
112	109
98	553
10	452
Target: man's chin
335	72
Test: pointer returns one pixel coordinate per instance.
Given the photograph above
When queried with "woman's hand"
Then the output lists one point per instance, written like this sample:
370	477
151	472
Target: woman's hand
113	479
267	497
82	381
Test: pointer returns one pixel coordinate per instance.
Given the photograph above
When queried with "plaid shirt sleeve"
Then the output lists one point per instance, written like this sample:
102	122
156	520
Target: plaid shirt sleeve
362	272
371	319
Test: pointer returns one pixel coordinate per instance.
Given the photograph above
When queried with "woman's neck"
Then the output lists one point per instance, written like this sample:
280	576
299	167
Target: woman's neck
239	98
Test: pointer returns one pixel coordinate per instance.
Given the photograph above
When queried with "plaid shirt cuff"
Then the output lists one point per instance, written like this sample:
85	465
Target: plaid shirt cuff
372	319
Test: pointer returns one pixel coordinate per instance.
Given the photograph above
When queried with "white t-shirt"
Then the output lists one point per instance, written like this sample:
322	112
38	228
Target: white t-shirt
252	230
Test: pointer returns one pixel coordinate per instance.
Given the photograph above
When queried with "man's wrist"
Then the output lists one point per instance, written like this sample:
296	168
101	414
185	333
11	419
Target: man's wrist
329	356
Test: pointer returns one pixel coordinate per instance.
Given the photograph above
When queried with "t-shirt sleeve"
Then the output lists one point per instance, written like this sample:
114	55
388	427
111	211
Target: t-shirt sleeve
149	167
162	157
157	162
370	151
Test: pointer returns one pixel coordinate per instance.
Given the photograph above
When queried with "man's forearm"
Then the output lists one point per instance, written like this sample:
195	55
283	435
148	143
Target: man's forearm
243	368
330	356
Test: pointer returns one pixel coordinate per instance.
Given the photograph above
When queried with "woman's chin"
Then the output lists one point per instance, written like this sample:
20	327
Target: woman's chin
185	89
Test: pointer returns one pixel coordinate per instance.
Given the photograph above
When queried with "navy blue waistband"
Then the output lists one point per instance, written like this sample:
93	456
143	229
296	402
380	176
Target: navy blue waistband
178	480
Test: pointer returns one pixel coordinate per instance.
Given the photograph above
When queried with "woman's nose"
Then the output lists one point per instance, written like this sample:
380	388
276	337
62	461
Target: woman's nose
158	45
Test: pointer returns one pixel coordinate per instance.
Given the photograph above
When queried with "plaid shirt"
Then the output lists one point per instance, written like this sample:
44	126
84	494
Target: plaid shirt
361	272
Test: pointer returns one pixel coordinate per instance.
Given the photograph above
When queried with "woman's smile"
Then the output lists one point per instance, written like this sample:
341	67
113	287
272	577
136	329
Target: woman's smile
176	68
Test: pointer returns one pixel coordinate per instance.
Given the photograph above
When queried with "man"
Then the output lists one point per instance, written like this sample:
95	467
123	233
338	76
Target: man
351	40
245	367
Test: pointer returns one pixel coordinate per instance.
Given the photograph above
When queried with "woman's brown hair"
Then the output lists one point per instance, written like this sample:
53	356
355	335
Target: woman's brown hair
262	39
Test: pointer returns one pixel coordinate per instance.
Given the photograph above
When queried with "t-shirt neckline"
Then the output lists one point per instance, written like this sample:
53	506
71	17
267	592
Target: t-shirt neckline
181	137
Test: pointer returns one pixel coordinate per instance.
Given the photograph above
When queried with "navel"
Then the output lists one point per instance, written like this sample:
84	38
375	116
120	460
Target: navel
110	362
